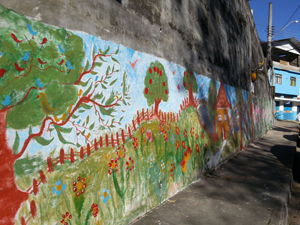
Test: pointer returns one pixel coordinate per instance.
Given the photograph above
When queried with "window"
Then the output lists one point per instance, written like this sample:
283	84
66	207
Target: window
293	81
278	79
220	117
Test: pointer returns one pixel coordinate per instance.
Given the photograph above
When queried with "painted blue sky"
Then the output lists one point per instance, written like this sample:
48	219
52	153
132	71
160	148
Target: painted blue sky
282	14
135	79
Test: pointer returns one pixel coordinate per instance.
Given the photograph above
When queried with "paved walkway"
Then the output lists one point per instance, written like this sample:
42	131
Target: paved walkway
251	188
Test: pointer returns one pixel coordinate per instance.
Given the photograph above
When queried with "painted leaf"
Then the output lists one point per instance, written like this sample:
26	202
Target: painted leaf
16	143
30	131
88	90
107	70
43	141
94	73
86	65
87	120
63	129
84	84
115	60
81	111
106	51
61	138
114	81
97	64
98	96
103	86
92	126
74	116
85	106
102	59
117	51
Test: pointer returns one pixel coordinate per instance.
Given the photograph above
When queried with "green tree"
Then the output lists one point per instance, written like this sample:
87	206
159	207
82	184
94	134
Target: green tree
190	84
156	86
40	79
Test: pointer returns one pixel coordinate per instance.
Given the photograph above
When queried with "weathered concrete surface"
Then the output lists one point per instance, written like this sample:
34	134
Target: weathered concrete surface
216	38
251	188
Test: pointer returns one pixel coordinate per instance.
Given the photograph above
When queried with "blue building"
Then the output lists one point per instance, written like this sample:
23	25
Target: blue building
286	61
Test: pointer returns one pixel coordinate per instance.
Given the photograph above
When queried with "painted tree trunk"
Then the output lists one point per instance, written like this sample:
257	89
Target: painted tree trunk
11	197
156	104
191	97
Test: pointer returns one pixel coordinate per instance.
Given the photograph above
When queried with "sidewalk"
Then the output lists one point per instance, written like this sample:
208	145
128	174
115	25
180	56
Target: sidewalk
251	188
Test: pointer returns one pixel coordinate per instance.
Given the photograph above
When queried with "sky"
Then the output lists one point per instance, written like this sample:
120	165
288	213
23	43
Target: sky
283	11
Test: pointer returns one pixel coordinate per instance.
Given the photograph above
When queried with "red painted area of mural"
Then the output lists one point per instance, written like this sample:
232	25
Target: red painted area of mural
11	197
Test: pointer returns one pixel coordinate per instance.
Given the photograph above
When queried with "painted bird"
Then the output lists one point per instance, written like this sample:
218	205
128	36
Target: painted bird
2	72
69	66
78	122
96	78
38	82
61	62
25	57
80	92
15	38
31	30
1	53
41	62
18	68
7	100
45	106
44	42
133	64
61	49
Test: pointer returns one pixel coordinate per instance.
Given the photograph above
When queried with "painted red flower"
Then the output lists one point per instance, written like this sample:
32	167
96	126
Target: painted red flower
177	130
172	170
129	165
95	209
79	186
121	152
183	144
65	218
33	208
135	143
197	148
203	136
197	136
113	165
150	135
161	128
185	133
169	126
177	144
192	131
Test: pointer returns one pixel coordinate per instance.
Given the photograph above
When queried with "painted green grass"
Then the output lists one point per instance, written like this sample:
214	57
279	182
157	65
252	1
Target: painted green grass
157	175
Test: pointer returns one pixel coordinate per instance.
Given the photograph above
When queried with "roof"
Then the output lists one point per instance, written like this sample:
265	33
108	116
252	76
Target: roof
222	101
290	45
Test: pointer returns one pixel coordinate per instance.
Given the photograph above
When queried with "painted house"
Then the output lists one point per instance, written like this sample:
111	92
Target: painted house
286	61
222	106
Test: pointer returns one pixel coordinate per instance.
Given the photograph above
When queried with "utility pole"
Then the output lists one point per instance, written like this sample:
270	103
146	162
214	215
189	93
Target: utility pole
269	59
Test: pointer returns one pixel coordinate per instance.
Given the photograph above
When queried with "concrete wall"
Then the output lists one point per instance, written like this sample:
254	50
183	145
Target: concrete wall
107	109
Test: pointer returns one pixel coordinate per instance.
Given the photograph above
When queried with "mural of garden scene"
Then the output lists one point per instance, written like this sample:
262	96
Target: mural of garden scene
93	132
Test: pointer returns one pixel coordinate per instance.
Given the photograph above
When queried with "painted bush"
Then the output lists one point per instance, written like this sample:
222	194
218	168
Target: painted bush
88	137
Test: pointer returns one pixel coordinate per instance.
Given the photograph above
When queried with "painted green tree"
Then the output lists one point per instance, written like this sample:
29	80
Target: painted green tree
190	84
156	86
41	75
212	97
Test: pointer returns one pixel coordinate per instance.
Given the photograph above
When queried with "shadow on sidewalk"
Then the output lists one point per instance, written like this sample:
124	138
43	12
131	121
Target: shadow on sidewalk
285	154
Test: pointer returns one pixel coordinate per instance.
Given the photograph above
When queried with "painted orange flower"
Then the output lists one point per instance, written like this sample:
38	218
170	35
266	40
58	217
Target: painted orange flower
134	143
185	133
197	148
121	152
95	209
203	136
169	126
129	165
161	128
165	135
65	217
197	136
177	144
177	130
113	165
79	186
183	144
142	130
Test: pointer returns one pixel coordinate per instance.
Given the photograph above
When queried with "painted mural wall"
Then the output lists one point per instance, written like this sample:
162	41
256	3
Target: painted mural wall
93	132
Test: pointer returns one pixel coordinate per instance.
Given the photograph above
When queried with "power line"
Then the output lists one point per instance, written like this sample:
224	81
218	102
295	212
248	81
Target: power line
291	17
